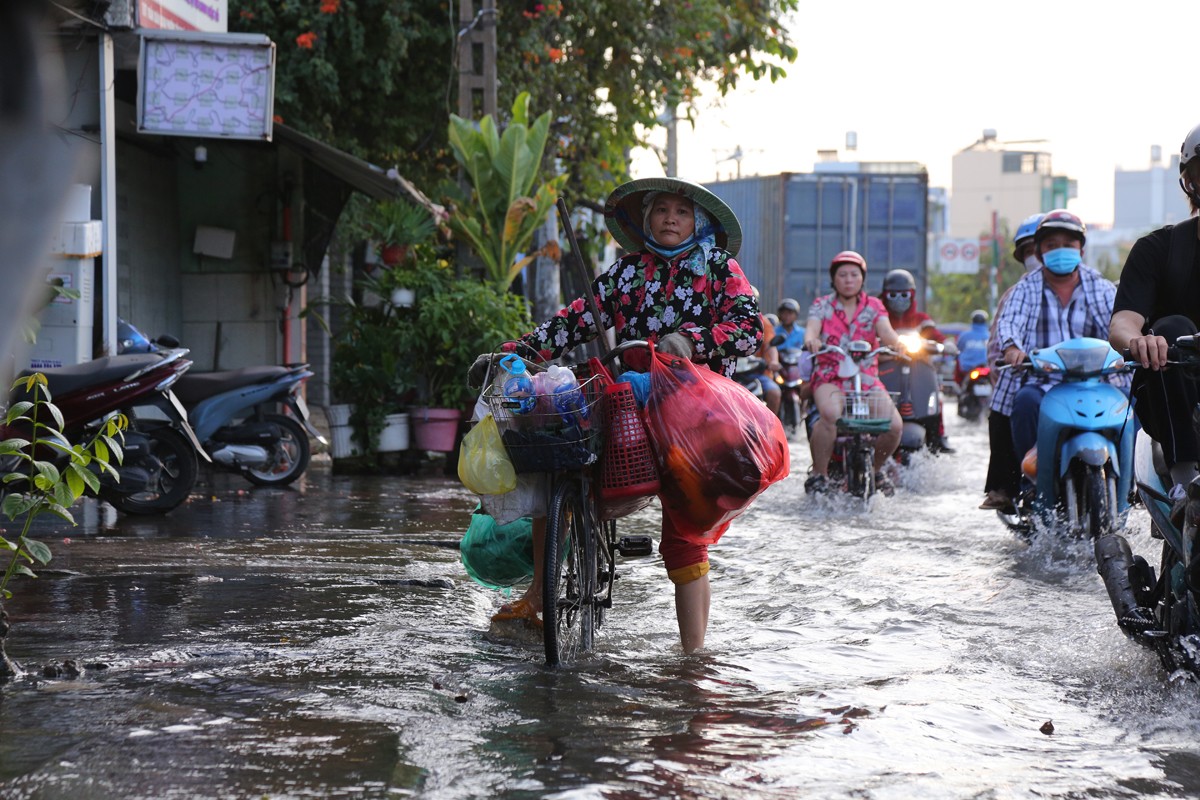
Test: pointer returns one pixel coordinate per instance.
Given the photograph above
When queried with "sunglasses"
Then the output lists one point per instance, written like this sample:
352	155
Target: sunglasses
897	295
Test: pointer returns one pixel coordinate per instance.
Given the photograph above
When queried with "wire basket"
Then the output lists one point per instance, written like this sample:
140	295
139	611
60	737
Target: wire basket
549	437
868	410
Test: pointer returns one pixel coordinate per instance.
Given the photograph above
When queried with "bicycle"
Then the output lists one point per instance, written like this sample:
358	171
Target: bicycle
581	542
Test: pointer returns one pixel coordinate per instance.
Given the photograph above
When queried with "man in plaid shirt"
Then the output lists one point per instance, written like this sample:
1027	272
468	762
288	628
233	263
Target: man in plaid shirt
1063	300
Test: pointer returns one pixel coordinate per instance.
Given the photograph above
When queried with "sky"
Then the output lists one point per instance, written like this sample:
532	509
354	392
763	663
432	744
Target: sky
1099	81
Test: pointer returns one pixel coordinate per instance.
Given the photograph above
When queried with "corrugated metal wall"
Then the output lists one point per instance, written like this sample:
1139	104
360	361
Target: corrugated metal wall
795	224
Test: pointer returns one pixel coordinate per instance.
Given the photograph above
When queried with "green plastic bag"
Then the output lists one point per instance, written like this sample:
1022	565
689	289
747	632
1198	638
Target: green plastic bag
497	556
483	463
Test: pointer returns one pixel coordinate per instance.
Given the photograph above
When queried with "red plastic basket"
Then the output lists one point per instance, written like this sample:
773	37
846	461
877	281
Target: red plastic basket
628	469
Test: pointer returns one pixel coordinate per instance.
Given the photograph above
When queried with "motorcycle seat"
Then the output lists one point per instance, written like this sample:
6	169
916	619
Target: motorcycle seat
193	387
110	369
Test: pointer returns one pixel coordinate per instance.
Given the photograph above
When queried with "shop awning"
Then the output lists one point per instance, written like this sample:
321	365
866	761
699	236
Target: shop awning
361	175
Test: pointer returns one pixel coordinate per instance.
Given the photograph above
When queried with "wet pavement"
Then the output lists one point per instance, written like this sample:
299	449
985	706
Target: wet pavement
325	641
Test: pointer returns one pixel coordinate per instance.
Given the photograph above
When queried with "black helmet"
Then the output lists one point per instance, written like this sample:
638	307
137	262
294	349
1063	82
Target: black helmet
979	316
1061	220
899	280
788	304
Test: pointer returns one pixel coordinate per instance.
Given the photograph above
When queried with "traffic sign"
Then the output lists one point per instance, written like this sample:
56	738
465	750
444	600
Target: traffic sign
958	256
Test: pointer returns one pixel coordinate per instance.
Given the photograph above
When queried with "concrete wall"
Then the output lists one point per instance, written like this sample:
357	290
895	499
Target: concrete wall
979	186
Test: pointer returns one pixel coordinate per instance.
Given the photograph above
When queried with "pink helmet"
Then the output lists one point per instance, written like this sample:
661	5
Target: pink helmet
848	257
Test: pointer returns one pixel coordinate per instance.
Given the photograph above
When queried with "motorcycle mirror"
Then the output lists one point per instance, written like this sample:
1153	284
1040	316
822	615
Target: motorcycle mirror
167	340
777	340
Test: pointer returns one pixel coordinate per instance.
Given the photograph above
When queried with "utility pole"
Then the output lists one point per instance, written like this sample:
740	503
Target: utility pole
477	59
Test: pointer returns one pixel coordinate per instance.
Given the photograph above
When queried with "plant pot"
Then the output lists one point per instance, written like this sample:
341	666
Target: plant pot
393	254
394	436
338	414
435	428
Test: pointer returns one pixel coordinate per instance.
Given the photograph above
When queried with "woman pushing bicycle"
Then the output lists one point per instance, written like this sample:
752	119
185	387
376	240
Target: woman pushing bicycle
680	288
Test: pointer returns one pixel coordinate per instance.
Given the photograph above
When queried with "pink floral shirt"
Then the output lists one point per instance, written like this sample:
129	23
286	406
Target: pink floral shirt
837	329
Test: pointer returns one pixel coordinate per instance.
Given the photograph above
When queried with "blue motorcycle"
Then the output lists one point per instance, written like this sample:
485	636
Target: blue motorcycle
1084	456
234	414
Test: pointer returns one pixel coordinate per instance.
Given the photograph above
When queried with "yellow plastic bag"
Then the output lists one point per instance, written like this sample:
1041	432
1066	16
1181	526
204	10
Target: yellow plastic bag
483	464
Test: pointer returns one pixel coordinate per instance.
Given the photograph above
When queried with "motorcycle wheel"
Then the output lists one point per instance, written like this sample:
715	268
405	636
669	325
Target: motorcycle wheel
173	467
969	407
859	477
289	455
1095	503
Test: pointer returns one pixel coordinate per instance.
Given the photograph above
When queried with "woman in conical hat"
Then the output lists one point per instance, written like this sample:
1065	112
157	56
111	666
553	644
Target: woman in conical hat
680	287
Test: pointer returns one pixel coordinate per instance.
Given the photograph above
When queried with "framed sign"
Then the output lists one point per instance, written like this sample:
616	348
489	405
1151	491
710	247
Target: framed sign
212	85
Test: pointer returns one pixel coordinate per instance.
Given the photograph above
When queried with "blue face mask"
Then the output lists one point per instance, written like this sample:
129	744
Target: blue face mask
1062	261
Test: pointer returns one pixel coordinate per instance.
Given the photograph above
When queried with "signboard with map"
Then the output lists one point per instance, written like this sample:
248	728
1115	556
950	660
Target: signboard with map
206	85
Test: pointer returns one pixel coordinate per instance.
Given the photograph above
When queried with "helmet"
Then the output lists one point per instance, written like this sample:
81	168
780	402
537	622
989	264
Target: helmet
788	304
1060	220
1187	153
1025	232
848	257
771	318
979	316
899	280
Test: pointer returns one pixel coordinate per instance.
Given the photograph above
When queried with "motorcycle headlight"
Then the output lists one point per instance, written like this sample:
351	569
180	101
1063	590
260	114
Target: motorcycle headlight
912	343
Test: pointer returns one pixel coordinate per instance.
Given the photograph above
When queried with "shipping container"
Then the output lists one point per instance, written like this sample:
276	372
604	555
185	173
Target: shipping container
795	223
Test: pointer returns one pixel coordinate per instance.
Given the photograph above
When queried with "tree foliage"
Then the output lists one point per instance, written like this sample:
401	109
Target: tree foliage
378	78
608	69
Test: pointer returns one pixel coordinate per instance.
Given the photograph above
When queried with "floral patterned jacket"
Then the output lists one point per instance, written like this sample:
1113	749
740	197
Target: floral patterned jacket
644	296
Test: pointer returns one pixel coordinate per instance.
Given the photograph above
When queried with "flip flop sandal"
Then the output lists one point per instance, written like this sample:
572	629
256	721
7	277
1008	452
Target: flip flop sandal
517	610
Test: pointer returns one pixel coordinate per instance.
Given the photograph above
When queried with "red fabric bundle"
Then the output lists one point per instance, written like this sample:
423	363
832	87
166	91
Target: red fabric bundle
718	446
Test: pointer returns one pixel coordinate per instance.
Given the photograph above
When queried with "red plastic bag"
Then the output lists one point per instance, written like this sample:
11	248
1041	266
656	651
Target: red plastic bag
718	446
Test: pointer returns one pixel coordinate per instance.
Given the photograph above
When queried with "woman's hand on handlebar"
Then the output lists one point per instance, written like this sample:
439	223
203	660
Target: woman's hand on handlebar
1150	352
812	345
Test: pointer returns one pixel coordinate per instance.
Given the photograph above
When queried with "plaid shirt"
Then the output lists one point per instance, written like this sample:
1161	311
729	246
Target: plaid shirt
1033	317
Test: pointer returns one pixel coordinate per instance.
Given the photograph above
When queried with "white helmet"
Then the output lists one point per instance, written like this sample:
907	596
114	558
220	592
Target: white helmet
1189	151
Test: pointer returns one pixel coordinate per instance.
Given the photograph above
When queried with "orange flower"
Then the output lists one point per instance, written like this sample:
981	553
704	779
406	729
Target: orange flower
306	40
277	118
555	53
330	6
247	14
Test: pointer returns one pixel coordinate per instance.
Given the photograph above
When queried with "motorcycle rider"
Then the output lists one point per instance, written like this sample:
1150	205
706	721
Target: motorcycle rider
1003	481
900	298
972	345
847	314
1064	300
789	312
772	394
1158	300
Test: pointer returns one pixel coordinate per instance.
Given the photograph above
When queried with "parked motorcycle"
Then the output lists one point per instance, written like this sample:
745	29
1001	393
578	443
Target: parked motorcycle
160	452
1160	611
974	393
916	382
234	416
865	416
233	413
1083	459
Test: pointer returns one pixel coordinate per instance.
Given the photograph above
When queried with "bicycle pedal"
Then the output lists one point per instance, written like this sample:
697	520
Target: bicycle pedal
635	546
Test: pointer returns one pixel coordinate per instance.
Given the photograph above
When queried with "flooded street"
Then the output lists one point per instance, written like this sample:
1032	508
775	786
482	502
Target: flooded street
326	642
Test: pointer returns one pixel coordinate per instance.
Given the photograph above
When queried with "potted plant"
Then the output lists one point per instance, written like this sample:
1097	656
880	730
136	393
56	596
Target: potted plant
463	318
399	225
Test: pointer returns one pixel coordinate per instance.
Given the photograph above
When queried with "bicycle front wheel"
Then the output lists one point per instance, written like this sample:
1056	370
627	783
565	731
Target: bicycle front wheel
569	577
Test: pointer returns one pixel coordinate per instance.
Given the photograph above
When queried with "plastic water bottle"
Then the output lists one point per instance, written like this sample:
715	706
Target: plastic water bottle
517	387
568	397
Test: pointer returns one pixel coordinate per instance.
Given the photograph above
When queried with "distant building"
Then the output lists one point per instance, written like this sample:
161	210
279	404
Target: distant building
988	177
1149	198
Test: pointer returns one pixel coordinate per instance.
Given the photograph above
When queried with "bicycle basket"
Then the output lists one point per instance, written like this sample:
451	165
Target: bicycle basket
868	411
549	438
628	469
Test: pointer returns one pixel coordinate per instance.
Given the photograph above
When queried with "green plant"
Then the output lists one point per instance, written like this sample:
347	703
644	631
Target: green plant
464	318
499	219
397	222
35	486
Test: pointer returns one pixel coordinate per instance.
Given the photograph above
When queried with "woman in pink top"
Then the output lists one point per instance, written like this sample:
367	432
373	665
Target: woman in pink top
839	318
